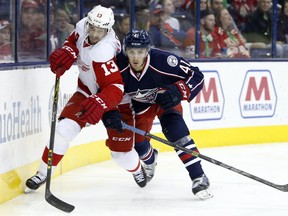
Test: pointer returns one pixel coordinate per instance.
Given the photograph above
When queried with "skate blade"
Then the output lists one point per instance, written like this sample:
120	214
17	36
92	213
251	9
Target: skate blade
27	190
204	195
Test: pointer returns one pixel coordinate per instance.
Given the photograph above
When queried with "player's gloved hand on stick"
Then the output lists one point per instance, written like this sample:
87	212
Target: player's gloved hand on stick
93	108
63	57
112	120
169	98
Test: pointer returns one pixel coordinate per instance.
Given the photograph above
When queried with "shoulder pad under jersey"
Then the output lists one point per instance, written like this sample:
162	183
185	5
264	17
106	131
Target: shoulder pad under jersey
80	26
162	58
105	49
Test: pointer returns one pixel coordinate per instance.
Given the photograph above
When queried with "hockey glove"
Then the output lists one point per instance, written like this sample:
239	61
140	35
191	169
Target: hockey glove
169	98
93	108
112	120
173	95
63	57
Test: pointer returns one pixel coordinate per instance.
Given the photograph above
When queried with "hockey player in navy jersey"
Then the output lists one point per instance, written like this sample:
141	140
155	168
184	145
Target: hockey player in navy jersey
155	83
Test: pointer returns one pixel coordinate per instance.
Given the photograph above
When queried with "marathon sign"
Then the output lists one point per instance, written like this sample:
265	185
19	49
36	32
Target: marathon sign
209	102
258	96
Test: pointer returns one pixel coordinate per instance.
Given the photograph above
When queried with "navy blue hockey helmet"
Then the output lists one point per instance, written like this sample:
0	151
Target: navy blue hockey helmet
137	39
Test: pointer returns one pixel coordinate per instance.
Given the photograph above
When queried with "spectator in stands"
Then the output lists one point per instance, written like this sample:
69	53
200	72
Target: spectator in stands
216	4
31	43
191	5
239	9
5	41
168	10
182	6
282	25
117	6
259	22
209	46
162	34
229	36
71	8
258	29
142	20
5	8
184	12
63	27
140	5
122	26
203	4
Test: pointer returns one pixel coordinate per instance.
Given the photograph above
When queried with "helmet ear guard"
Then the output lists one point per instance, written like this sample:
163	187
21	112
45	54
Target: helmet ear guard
136	39
101	17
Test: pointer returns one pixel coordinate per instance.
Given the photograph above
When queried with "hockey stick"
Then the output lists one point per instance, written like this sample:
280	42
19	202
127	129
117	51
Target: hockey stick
283	188
49	197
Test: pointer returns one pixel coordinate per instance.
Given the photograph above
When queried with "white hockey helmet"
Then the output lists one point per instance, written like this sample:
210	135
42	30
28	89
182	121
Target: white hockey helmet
101	17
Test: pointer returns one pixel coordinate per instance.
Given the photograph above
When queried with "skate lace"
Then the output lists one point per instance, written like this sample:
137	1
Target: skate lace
201	181
196	183
139	177
149	168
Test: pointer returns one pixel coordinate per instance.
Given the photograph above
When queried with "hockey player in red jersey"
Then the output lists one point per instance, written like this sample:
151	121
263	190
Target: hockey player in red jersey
94	45
155	83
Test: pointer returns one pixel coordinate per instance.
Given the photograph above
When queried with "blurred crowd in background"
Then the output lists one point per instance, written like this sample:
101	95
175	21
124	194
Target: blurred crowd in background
229	29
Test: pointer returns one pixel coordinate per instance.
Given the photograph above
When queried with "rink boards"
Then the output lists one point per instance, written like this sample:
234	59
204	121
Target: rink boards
241	102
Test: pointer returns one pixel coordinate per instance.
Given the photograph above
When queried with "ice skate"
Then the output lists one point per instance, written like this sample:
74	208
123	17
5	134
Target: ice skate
150	168
200	187
35	182
140	177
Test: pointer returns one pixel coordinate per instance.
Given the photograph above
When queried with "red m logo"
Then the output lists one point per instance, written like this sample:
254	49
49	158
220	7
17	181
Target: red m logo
207	92
257	92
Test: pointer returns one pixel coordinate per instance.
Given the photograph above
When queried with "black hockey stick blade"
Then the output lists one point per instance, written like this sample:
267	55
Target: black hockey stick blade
57	203
283	188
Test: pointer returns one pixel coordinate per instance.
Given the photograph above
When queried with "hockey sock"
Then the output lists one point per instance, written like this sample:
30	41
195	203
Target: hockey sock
192	163
175	129
145	151
56	157
127	160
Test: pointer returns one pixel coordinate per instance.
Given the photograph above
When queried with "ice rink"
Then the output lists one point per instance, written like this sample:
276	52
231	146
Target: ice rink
105	189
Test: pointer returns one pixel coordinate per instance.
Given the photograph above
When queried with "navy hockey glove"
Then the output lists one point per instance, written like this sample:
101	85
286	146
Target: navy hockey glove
169	98
112	120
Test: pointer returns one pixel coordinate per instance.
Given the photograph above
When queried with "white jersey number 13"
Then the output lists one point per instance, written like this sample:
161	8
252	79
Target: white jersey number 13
112	67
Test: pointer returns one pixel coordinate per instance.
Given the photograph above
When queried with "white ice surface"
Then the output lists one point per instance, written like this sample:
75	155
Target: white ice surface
104	189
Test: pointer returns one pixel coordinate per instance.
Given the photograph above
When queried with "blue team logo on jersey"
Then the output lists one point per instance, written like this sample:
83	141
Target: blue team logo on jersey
145	95
172	60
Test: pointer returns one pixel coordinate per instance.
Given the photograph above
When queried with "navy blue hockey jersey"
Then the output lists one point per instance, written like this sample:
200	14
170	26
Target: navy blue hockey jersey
162	68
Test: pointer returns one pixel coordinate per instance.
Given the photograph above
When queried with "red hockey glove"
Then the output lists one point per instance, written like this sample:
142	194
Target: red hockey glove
93	109
63	57
173	95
